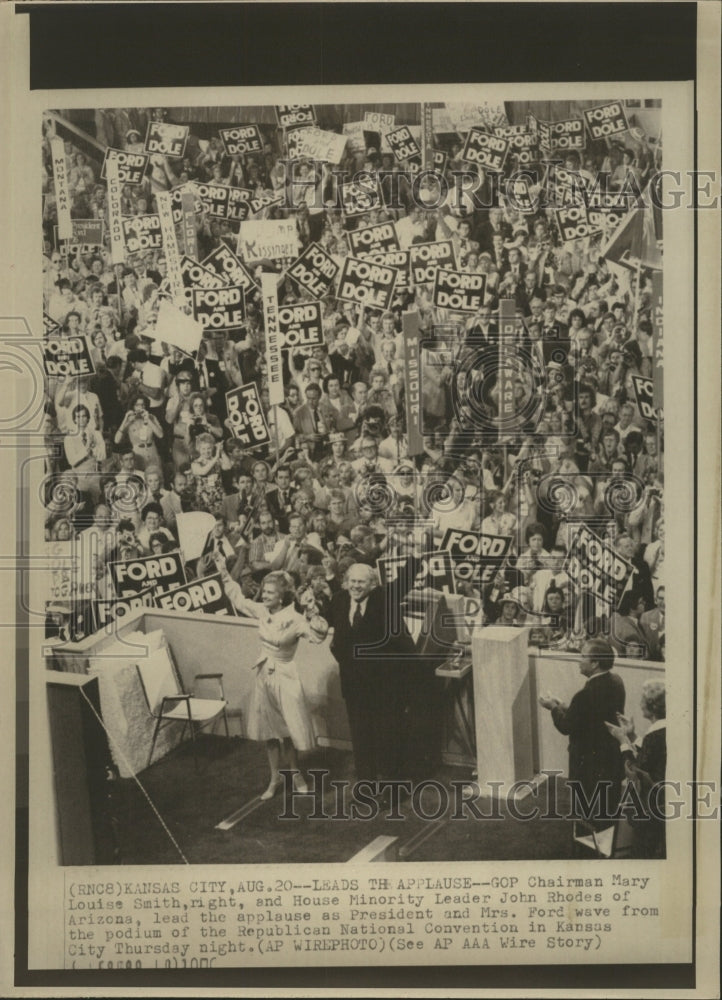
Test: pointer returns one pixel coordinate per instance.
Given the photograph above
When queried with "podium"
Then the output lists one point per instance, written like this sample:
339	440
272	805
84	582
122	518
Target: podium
504	708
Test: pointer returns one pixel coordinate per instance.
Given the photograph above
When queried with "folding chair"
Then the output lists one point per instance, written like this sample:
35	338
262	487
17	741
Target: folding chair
167	701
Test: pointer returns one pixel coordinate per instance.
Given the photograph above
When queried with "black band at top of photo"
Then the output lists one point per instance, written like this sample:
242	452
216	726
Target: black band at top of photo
102	45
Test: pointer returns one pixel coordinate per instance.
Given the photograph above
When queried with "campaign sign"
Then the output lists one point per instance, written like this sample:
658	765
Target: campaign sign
239	204
509	131
360	196
177	205
131	166
603	221
163	137
565	135
522	141
87	236
371	284
205	595
267	239
607	119
388	568
375	121
436	570
258	204
355	136
402	143
300	325
438	161
570	187
214	197
373	239
398	259
161	573
219	308
294	142
248	423
67	356
610	201
607	209
426	258
232	271
107	612
142	232
644	391
459	291
485	150
471	550
315	144
241	139
289	115
50	327
519	195
195	275
314	271
573	223
595	569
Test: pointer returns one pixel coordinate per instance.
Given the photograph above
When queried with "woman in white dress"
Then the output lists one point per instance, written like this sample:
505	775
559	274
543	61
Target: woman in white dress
278	712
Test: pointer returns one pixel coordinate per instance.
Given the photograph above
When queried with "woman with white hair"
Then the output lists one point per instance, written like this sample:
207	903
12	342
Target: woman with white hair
278	713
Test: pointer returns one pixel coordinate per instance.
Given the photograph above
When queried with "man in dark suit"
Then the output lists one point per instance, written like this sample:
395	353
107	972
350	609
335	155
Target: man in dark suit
594	758
372	680
646	766
309	421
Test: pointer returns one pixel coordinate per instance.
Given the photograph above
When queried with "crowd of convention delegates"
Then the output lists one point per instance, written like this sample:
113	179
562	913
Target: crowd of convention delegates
157	417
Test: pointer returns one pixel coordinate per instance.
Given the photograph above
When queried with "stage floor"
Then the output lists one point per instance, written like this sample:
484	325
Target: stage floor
180	806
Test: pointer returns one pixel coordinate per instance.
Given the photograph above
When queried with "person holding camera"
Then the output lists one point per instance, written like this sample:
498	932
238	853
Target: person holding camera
141	429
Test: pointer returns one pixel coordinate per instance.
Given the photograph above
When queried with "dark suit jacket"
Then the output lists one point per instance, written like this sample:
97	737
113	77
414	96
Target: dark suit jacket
652	756
361	674
649	832
594	753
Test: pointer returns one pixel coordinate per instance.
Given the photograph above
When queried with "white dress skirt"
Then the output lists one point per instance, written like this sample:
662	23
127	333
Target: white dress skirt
278	708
